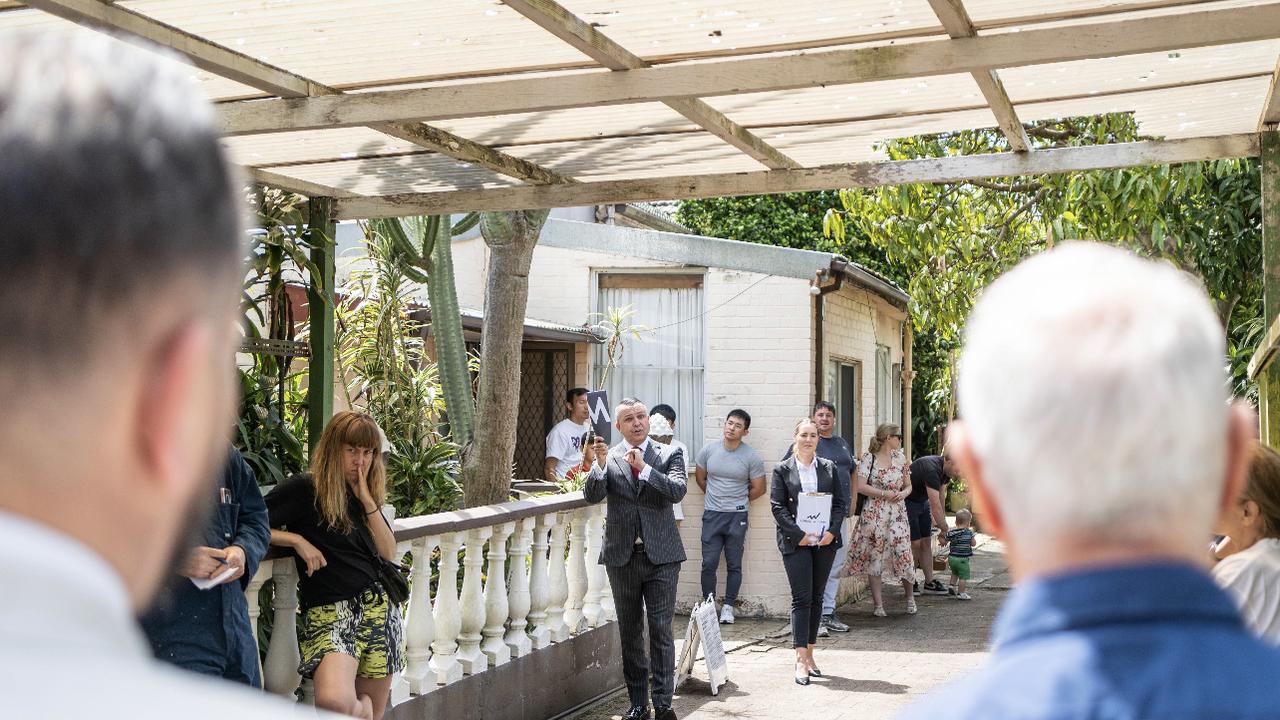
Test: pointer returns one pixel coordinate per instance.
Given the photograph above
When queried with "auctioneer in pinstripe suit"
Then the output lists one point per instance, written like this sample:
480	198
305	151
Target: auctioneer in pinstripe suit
642	552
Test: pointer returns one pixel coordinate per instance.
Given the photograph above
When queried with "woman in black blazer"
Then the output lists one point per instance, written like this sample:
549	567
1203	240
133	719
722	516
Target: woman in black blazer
806	557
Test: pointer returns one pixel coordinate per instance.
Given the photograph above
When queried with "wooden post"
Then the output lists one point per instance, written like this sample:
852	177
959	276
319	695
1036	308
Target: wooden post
1269	376
320	235
908	374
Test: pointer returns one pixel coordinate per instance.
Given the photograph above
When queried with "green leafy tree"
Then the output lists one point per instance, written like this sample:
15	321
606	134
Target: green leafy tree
944	242
1203	217
273	410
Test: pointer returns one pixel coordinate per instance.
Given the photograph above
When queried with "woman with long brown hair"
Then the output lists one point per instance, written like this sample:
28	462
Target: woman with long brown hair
331	518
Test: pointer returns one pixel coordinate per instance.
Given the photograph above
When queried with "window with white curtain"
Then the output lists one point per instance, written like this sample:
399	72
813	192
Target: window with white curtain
665	365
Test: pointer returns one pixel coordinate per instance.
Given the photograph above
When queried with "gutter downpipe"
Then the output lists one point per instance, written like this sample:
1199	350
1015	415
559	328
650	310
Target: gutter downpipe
819	320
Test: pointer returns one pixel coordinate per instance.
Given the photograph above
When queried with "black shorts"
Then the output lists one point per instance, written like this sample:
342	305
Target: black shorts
920	520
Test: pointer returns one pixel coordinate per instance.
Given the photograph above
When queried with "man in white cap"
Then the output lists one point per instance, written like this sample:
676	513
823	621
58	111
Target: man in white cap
662	430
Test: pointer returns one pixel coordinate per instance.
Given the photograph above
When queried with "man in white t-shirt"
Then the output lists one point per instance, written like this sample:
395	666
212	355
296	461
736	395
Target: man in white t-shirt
565	441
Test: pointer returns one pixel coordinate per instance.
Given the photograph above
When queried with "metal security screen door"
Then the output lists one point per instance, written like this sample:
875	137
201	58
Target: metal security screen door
666	365
545	375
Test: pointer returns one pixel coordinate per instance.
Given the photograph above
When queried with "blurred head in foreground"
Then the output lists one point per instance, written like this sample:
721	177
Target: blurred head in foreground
1096	425
119	273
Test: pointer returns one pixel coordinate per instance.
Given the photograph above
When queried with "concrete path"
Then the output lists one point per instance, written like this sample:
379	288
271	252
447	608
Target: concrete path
871	672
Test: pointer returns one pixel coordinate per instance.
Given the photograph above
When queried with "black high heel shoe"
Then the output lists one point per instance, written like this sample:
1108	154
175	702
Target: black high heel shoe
815	672
802	674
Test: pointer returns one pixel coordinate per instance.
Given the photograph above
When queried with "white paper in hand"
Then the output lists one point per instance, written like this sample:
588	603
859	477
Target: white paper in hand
206	583
813	513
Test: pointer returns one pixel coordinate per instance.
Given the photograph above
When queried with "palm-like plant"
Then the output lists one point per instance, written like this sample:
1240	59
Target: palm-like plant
383	362
614	326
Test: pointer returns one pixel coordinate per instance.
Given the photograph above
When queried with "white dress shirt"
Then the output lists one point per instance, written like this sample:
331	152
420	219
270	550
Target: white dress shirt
808	475
70	647
1252	578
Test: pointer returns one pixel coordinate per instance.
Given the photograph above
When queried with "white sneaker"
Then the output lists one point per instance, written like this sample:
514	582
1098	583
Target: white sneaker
963	596
726	615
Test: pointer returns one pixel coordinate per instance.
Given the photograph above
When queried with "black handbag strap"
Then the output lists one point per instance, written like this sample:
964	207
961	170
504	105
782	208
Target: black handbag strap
369	543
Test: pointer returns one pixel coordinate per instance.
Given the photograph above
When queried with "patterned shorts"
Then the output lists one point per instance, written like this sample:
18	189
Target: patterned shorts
367	627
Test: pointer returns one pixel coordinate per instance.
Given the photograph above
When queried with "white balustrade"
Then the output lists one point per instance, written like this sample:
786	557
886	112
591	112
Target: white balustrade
448	622
542	570
608	612
495	597
557	581
518	597
591	608
539	592
280	671
472	599
577	571
420	626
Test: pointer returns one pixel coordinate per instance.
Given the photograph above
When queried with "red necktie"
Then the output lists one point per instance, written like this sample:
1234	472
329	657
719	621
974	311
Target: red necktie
635	472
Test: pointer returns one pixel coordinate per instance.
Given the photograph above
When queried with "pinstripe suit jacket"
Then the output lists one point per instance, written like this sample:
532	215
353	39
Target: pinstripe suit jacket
645	513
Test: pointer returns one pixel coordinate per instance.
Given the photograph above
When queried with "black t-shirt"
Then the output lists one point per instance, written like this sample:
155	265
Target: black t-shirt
926	472
349	561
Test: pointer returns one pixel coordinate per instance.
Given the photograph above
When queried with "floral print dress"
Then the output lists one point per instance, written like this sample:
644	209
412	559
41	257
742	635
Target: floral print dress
882	539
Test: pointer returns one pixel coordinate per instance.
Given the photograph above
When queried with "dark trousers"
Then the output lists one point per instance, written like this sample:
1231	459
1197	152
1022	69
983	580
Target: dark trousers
807	571
727	532
642	590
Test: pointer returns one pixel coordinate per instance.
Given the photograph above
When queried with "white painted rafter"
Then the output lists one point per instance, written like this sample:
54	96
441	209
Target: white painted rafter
955	19
932	170
214	58
759	74
557	20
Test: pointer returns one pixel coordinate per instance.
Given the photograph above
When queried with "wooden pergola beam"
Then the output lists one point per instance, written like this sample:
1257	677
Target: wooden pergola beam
932	170
557	20
205	55
1271	106
955	19
302	187
758	74
214	58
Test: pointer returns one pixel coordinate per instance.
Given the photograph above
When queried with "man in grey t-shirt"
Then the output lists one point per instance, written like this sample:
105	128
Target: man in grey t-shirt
732	475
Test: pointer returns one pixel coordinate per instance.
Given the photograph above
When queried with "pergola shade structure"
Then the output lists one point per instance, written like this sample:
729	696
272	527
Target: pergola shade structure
400	107
396	107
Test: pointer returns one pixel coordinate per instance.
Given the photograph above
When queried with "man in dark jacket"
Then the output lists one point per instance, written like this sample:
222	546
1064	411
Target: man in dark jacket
208	631
642	552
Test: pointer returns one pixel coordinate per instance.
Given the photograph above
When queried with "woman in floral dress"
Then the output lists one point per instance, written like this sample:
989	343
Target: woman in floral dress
881	547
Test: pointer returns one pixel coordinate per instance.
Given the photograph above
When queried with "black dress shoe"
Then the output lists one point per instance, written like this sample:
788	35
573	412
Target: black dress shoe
664	713
637	712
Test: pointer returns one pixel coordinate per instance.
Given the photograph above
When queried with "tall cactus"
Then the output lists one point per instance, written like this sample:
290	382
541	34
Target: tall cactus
424	246
451	348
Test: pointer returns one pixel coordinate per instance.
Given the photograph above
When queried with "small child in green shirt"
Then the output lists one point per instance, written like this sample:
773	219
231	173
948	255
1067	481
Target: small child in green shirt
960	539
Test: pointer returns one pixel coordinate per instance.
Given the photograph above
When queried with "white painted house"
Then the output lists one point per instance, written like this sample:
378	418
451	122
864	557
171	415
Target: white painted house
735	325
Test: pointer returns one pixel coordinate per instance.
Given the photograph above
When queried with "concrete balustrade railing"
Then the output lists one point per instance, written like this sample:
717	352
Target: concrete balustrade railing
527	578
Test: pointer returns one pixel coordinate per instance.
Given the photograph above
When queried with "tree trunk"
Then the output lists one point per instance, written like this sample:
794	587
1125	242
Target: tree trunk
486	470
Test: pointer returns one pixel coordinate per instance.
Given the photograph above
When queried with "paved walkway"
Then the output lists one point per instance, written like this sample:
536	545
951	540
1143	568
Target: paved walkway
871	672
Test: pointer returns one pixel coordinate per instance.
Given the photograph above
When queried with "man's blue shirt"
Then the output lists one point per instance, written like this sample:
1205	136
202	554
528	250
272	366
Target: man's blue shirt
1155	641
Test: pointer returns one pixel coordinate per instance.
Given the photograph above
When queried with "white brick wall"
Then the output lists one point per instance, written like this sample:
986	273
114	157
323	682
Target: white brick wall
857	321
